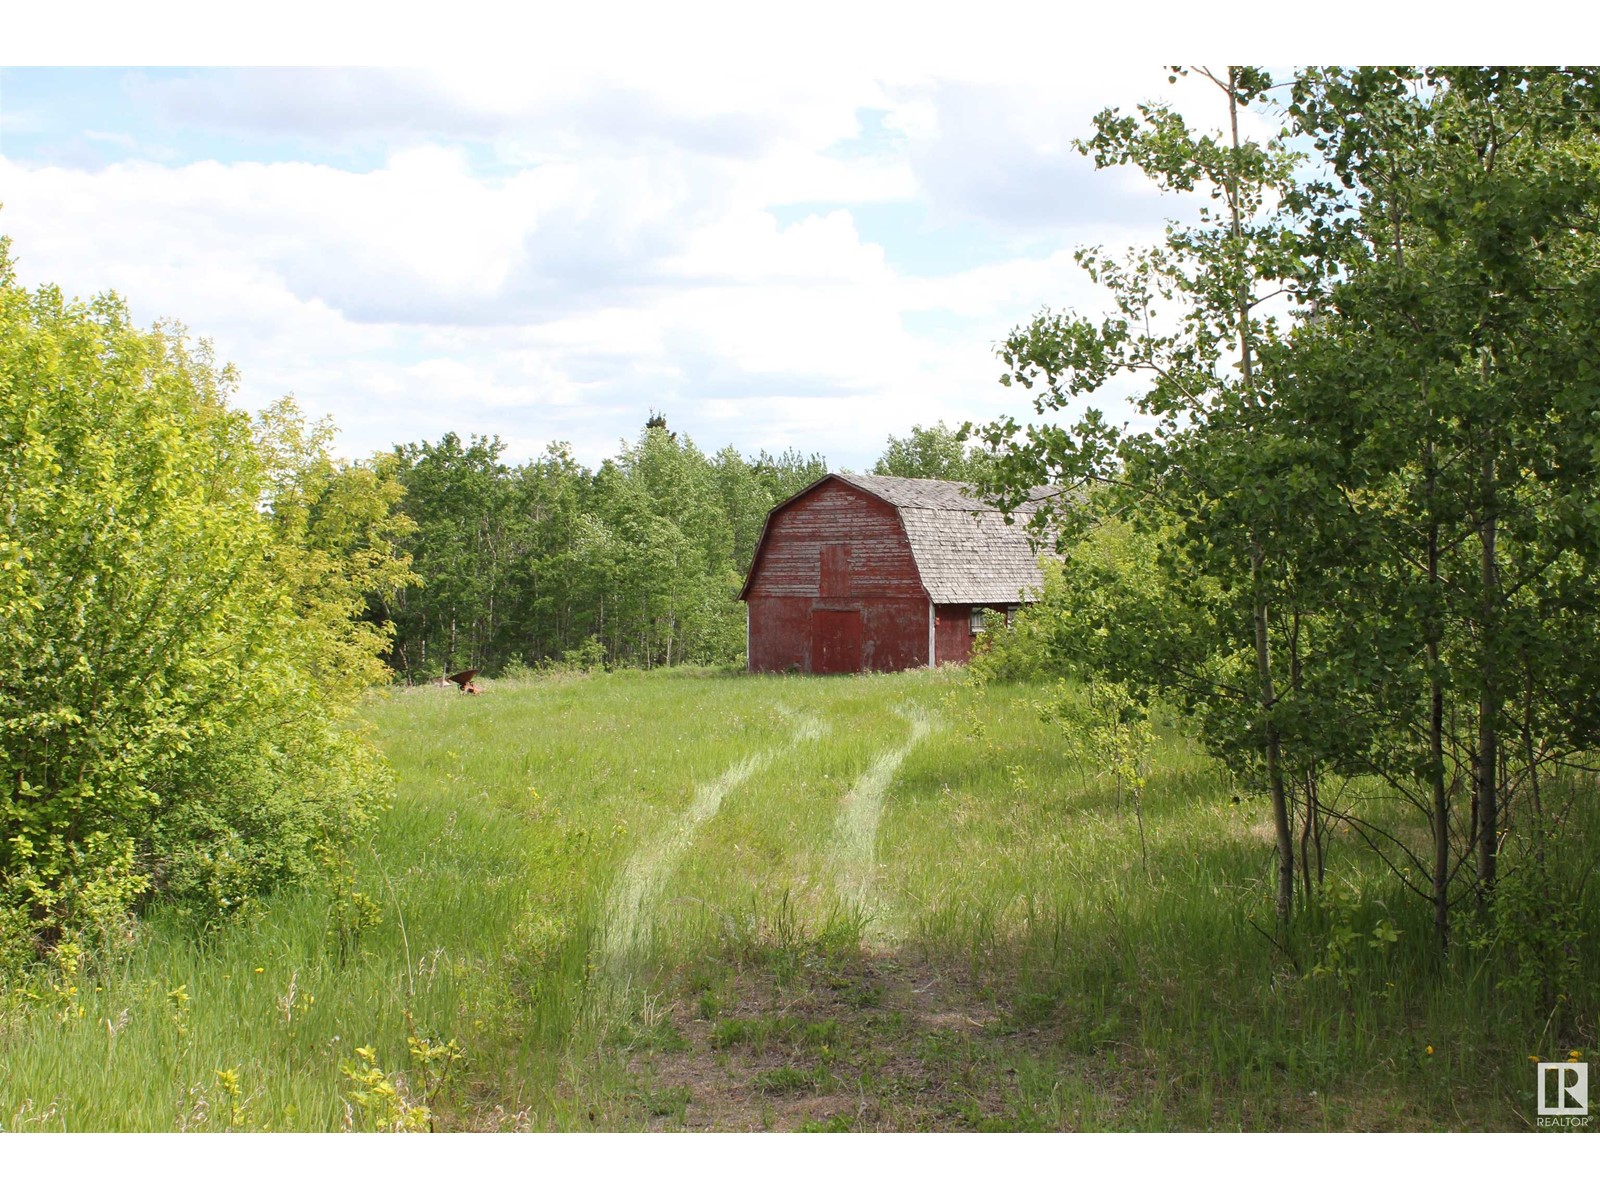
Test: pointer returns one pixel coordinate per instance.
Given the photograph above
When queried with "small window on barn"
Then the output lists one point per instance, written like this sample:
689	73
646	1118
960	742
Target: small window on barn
977	619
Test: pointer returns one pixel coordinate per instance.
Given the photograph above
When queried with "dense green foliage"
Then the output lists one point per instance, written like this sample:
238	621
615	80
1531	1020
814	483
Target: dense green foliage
638	563
935	452
181	638
1364	527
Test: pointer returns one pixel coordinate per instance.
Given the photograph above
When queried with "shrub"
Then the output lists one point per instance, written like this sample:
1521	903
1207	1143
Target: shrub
180	625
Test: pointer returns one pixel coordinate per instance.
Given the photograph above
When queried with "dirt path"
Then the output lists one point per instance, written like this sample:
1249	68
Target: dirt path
632	900
868	1042
852	856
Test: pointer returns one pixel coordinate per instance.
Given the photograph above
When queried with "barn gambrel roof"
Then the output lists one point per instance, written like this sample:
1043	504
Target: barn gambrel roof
965	551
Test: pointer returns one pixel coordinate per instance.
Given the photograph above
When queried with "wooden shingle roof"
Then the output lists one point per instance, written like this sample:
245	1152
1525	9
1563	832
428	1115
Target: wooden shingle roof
964	550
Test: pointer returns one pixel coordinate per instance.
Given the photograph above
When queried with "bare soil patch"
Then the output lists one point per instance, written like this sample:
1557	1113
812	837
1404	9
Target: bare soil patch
877	1043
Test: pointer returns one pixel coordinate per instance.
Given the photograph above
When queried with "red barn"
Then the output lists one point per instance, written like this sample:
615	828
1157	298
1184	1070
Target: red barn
877	573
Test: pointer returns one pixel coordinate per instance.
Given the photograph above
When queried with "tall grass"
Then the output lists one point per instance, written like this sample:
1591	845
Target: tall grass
1148	979
1163	971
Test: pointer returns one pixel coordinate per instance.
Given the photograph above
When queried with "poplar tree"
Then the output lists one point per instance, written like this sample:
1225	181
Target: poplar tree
1455	361
1190	319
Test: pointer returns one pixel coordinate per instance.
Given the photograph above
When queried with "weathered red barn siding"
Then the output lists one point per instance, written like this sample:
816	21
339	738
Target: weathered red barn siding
836	550
952	633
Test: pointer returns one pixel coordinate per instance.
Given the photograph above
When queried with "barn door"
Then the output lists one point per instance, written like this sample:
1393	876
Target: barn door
835	642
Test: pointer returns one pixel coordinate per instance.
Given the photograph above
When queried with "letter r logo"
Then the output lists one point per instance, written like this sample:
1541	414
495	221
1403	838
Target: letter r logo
1563	1089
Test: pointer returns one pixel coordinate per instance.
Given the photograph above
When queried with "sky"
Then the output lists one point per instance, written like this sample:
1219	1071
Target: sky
779	231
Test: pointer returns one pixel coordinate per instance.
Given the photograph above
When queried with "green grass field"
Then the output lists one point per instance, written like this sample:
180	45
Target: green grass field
709	900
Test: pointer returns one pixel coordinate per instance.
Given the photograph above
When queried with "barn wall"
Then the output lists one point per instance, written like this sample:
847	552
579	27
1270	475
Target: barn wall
896	634
780	633
880	562
836	549
952	635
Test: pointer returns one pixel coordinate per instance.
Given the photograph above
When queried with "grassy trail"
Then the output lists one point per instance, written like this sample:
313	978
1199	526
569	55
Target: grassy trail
628	910
855	836
691	900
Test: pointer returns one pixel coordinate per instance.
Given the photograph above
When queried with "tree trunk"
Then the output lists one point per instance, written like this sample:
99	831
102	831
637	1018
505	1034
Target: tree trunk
1441	798
1488	782
1280	807
1242	301
1309	780
1305	836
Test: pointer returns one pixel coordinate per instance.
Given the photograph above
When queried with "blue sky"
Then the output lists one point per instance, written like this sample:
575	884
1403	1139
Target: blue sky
771	253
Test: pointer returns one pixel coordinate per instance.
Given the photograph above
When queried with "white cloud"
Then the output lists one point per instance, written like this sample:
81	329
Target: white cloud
551	253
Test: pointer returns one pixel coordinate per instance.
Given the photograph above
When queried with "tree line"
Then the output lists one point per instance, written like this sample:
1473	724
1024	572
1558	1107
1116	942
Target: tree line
637	563
1357	538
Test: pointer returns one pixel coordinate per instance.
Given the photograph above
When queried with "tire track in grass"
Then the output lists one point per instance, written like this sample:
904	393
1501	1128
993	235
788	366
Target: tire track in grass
855	835
631	904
